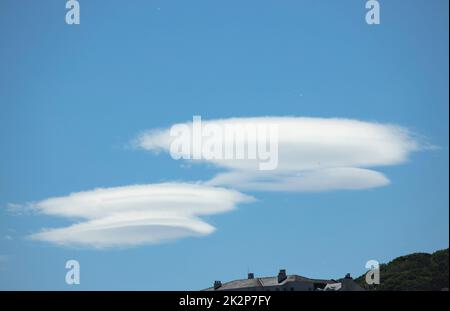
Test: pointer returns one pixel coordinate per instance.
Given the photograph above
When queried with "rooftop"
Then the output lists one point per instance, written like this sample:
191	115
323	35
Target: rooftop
252	282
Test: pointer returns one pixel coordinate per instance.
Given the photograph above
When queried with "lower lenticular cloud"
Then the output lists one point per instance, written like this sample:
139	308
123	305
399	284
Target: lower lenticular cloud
136	215
314	154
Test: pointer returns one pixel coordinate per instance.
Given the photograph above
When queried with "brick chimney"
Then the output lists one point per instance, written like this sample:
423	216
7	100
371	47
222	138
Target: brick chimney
251	276
217	284
282	275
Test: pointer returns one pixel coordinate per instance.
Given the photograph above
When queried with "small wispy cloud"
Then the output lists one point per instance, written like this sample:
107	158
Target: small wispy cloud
7	237
18	209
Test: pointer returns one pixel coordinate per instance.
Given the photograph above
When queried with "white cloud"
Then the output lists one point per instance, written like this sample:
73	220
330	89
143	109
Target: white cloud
314	154
348	178
135	215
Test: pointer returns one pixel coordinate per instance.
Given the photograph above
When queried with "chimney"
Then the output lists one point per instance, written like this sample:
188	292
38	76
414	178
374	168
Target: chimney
282	275
251	276
217	284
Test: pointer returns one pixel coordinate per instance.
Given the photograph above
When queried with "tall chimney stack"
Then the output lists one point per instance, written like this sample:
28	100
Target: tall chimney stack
217	284
282	275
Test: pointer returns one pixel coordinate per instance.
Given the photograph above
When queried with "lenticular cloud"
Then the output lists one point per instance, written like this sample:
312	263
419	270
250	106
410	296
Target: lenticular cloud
314	154
135	215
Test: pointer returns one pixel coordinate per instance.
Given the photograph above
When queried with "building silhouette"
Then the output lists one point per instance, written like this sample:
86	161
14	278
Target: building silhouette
284	282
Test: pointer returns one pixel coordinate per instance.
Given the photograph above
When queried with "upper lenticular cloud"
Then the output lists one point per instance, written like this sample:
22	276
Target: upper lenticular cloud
314	154
135	215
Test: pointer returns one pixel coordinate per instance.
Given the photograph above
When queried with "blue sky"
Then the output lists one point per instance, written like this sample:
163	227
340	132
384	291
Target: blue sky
73	97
